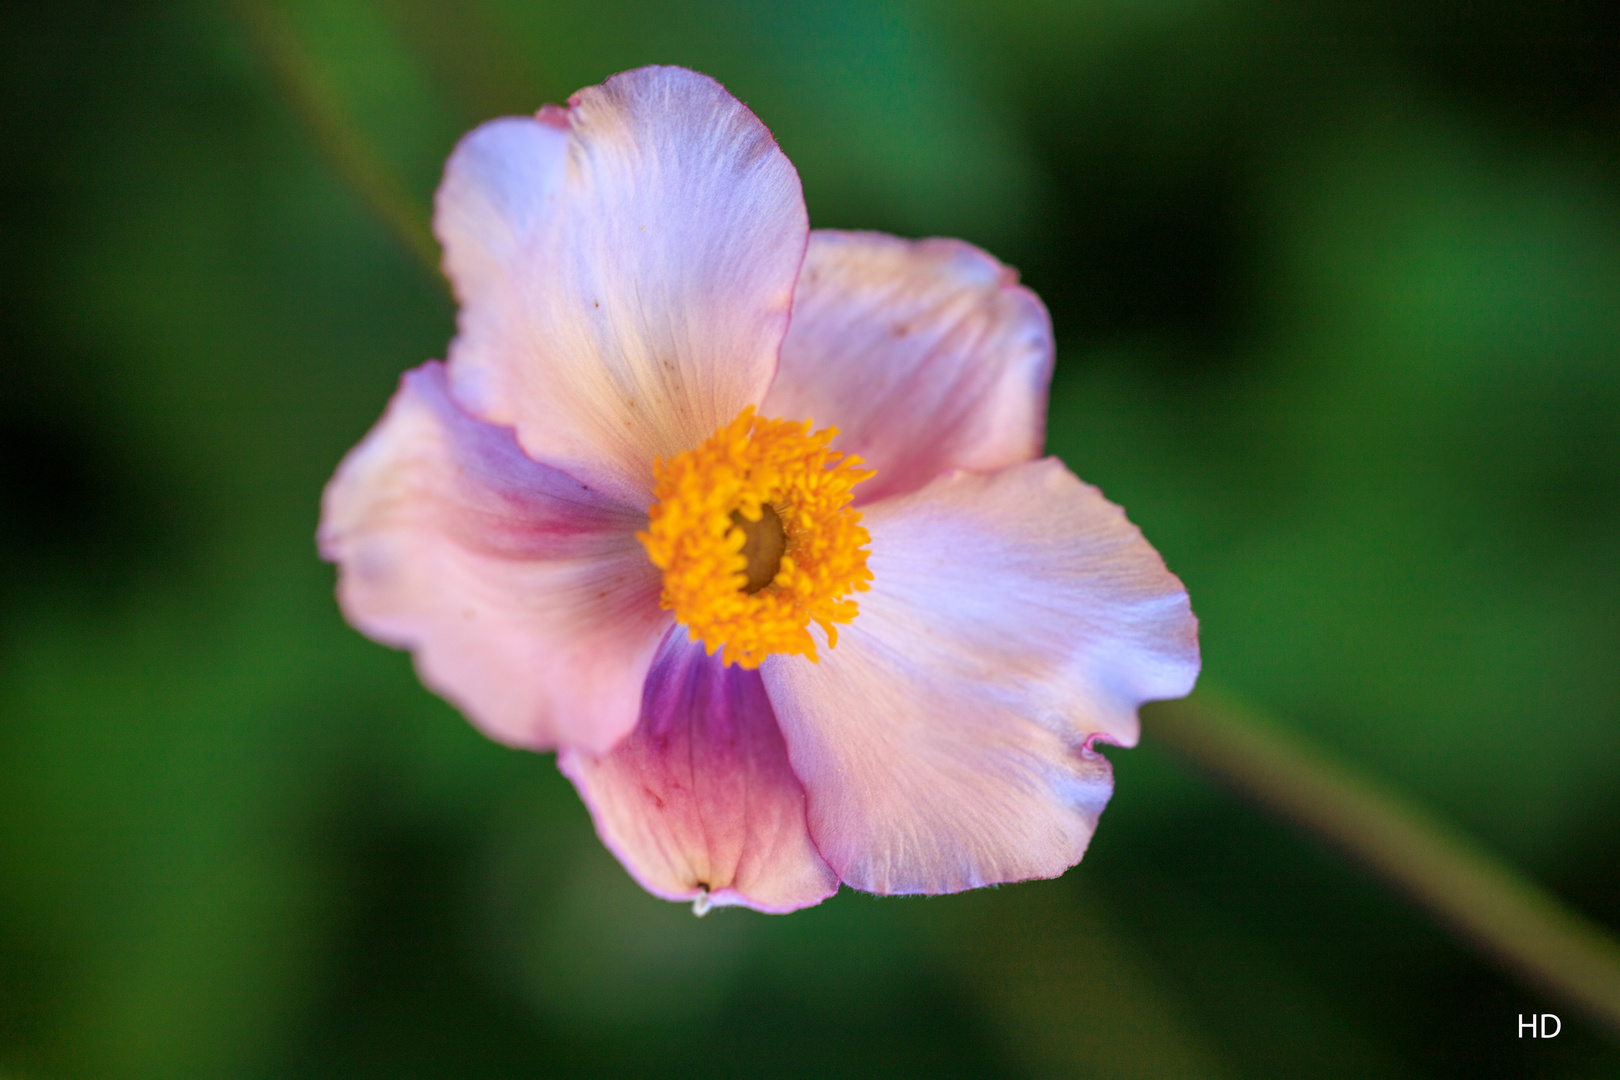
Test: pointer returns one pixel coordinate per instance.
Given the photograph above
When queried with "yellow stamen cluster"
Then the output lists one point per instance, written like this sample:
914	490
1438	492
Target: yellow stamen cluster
692	536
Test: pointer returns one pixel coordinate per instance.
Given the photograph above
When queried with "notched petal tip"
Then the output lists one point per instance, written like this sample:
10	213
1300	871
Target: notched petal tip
1016	621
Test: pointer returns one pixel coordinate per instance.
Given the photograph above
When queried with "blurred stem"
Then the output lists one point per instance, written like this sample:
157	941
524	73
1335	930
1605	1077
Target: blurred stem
345	145
1523	926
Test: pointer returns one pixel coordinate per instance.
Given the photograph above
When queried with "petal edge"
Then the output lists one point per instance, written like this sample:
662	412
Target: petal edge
625	270
947	742
522	593
700	798
926	354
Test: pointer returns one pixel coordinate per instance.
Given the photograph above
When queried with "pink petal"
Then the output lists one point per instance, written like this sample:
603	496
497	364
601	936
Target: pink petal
625	269
700	796
926	354
946	741
524	595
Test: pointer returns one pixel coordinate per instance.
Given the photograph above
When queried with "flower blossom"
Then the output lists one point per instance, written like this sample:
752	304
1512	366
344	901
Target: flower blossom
750	523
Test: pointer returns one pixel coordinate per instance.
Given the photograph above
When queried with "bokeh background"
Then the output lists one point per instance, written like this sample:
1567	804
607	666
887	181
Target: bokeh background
1337	296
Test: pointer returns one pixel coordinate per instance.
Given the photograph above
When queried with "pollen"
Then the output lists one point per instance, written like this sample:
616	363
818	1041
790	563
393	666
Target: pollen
757	539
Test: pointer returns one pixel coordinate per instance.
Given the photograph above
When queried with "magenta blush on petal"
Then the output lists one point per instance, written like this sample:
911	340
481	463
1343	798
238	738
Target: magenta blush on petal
1015	619
699	800
523	593
927	355
625	269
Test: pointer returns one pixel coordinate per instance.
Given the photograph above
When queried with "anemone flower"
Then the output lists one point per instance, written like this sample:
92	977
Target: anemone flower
771	657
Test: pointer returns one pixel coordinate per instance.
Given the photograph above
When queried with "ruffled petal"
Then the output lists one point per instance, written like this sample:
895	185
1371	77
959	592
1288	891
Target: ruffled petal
700	798
524	595
946	742
927	355
625	269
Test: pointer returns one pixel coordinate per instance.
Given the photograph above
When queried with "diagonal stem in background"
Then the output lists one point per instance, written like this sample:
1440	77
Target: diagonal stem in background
350	152
1519	924
1522	926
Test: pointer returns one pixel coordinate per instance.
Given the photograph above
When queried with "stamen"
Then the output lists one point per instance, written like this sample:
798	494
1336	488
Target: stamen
756	538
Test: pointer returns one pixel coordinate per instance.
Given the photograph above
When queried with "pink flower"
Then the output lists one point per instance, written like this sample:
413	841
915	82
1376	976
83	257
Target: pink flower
607	494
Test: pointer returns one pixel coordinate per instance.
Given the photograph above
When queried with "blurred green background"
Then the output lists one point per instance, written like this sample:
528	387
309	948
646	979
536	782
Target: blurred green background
1337	297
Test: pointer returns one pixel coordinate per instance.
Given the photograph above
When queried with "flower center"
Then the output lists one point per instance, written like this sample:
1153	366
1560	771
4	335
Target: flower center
764	542
756	538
